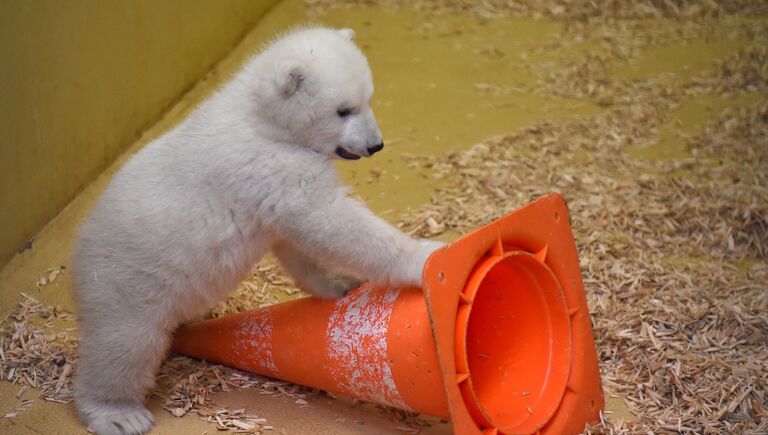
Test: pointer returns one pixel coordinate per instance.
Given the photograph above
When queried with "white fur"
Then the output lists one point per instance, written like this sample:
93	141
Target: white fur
186	218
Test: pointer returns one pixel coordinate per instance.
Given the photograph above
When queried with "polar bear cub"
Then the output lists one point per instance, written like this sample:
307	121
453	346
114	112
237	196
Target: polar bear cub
186	218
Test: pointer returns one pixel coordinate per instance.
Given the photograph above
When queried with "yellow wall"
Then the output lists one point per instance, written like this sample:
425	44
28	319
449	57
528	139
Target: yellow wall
79	81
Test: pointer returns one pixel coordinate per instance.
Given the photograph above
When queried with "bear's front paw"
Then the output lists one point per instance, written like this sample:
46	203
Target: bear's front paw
414	265
334	286
426	248
431	245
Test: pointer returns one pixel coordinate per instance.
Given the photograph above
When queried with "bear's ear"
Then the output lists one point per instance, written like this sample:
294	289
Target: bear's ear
290	77
348	33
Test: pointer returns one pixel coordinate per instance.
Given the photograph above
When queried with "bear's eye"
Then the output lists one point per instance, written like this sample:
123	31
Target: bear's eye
343	112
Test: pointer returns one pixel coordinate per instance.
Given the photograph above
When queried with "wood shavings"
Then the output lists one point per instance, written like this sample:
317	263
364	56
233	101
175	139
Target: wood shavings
186	386
673	243
18	409
30	354
673	253
237	421
573	9
49	276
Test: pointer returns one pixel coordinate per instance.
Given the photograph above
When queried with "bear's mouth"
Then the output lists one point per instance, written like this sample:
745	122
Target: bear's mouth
346	155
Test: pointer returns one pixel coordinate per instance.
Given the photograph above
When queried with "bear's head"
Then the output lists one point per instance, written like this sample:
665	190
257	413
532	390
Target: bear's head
315	90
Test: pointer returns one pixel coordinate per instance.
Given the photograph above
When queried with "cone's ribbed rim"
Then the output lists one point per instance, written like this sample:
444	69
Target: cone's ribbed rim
513	341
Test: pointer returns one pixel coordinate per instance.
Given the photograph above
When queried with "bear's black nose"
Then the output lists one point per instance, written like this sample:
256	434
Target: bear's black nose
375	149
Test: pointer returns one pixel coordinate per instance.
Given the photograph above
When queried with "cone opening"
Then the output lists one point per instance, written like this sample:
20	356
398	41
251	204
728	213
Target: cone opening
518	344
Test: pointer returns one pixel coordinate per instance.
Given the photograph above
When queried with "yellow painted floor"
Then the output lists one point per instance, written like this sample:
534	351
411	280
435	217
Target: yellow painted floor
443	83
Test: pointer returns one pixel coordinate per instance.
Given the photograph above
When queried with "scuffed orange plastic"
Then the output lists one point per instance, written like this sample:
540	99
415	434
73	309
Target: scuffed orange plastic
498	340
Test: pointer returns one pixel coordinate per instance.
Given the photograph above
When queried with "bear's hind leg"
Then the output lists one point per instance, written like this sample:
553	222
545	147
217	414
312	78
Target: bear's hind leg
117	366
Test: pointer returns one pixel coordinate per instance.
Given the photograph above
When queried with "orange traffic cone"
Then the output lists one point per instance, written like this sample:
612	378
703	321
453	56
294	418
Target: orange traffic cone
498	341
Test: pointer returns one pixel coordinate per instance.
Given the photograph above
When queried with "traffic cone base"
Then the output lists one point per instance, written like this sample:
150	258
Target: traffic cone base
498	340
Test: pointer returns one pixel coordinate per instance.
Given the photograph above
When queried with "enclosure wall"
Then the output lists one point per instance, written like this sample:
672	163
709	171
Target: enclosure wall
80	80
